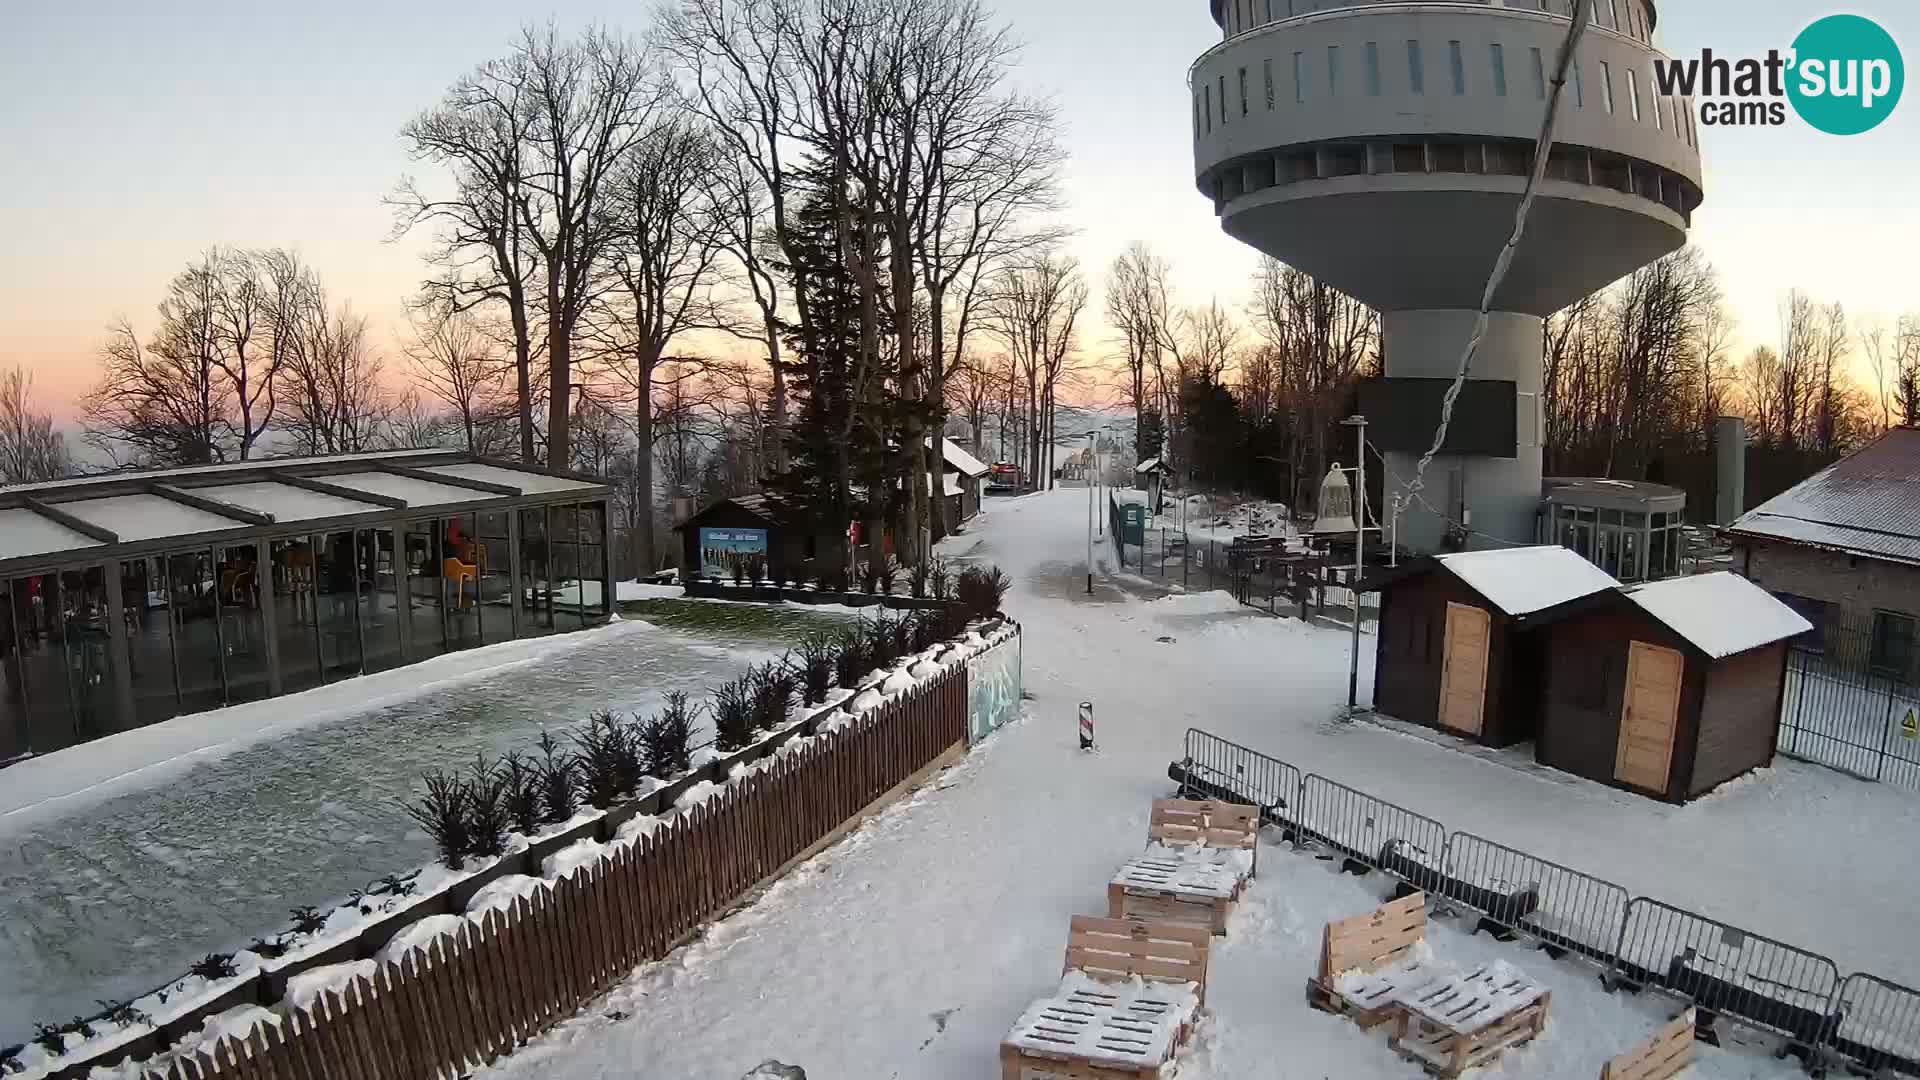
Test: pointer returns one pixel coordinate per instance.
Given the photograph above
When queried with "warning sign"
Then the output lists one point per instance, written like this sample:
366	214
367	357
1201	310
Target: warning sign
1910	725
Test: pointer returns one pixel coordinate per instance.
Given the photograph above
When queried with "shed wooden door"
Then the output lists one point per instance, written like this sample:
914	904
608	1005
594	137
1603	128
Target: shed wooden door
1649	717
1463	669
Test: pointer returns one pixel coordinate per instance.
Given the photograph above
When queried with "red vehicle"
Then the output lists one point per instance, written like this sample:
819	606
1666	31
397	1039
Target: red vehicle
1005	476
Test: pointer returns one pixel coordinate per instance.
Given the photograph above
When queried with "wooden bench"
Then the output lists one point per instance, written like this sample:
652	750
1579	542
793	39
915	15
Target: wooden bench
1458	1022
1381	945
1199	858
1129	994
1666	1054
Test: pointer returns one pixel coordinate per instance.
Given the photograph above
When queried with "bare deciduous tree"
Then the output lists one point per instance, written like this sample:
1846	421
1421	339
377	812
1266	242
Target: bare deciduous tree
162	404
1034	305
31	449
456	363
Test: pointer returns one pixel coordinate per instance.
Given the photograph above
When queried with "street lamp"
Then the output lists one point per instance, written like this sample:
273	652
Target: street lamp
1091	516
1359	425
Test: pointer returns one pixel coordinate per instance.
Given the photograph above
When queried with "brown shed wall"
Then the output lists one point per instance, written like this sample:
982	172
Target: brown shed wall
1585	691
1740	718
1412	647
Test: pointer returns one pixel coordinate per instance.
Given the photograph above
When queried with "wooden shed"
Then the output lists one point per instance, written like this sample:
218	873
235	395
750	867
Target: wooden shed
1453	652
1668	689
761	528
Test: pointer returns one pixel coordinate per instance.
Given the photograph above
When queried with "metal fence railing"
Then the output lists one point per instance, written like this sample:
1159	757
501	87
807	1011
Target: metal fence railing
1726	971
1389	838
1850	716
1215	768
1560	907
1879	1025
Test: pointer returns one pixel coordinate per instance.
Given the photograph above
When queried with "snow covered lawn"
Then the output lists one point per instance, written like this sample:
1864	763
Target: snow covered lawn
124	860
910	948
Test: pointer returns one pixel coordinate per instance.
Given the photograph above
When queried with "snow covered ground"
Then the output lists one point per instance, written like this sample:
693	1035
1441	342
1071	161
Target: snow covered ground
125	859
908	950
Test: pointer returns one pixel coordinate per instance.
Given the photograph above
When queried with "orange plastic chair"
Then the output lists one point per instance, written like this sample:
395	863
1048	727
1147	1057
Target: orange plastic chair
459	573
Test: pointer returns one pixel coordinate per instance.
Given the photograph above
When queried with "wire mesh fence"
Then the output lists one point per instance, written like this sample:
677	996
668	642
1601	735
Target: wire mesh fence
1850	715
1725	969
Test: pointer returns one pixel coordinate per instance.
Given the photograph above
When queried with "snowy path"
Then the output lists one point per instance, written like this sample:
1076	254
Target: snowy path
106	894
907	950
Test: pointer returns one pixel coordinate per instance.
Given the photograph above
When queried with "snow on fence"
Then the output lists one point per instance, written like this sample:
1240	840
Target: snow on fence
469	997
1721	968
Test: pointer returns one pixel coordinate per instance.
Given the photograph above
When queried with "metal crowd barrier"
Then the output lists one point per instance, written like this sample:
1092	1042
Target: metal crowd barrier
1558	906
1724	969
1389	838
1639	941
1879	1024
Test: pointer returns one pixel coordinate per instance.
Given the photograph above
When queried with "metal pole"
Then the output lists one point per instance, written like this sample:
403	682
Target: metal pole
1393	540
1090	517
1359	424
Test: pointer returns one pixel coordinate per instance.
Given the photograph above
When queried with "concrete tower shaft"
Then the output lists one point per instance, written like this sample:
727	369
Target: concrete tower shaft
1383	146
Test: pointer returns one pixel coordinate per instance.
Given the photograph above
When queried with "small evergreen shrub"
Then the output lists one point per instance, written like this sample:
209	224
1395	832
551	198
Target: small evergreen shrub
609	760
816	668
124	1013
442	812
559	781
918	577
739	571
940	578
308	920
880	642
270	949
981	589
773	694
523	795
666	740
487	815
214	966
902	630
51	1037
887	573
926	630
850	662
870	579
733	714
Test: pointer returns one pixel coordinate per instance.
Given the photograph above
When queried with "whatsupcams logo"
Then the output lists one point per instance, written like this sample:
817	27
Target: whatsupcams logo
1843	75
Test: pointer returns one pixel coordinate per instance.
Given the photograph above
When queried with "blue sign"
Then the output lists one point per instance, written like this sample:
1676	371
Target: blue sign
993	689
722	551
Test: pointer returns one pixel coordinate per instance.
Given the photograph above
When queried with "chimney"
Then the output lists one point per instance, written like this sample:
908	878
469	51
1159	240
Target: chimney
1729	469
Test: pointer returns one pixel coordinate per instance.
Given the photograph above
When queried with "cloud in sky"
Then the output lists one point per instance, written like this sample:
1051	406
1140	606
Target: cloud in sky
138	136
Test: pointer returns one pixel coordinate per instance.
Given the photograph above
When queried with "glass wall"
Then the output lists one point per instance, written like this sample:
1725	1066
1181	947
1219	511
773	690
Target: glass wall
193	609
536	572
150	649
88	631
336	590
563	530
1631	545
425	616
384	581
295	612
593	560
243	634
460	576
494	555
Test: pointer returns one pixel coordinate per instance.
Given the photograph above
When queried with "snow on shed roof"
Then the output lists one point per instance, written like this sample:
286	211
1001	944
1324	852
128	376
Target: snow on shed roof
952	486
1148	465
1867	503
1720	613
1520	581
950	451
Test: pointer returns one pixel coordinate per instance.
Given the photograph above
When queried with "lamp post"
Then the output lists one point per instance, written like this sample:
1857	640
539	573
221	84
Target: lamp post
1091	516
1359	425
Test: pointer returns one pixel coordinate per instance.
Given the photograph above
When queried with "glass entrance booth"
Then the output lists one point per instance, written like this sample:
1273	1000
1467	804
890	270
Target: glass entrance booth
129	598
1629	528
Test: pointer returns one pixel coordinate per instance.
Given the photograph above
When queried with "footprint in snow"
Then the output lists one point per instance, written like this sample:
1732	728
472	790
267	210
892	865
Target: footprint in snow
939	1024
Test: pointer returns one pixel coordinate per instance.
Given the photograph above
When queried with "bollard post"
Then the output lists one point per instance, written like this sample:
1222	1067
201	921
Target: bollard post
1086	725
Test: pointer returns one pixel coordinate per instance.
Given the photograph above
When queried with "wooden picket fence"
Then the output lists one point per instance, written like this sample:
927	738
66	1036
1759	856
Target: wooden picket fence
472	996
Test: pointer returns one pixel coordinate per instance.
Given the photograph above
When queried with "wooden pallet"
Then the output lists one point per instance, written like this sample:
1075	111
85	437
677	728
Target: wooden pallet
1169	906
1110	949
1381	938
1446	1053
1209	823
1666	1054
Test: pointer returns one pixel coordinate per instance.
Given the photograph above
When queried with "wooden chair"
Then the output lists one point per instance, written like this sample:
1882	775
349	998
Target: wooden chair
1128	998
460	573
1666	1054
1383	946
1193	870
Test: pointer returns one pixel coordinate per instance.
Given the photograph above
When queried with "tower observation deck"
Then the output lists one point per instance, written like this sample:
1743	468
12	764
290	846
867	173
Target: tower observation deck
1383	148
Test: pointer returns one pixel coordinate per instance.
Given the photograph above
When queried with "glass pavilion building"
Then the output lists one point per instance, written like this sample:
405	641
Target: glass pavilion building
129	598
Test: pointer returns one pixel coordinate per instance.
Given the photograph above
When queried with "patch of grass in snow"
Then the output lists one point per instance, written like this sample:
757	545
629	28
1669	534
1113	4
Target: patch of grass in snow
739	622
